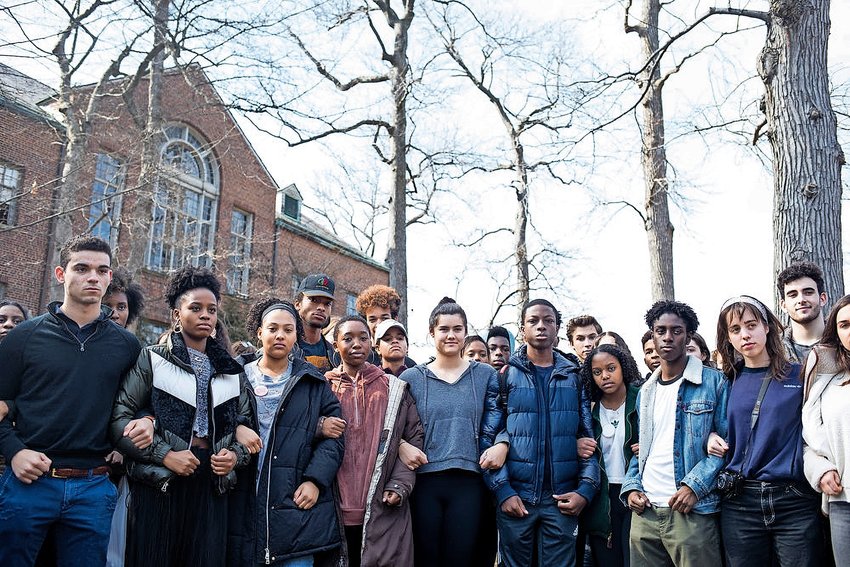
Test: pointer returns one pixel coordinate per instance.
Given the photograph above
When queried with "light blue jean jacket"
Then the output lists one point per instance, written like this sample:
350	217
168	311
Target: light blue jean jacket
700	409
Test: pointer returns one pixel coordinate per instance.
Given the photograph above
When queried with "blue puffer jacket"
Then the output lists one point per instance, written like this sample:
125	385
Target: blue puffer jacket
526	421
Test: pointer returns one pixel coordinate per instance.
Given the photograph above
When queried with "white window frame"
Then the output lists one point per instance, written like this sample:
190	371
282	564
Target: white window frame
105	210
238	269
185	203
10	186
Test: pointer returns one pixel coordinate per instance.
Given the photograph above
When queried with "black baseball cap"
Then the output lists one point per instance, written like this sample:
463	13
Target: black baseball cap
317	285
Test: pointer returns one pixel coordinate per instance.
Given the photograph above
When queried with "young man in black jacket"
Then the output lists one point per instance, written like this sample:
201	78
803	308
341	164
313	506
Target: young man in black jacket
61	371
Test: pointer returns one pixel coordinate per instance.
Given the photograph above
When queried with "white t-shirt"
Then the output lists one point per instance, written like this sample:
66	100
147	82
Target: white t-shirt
659	479
613	437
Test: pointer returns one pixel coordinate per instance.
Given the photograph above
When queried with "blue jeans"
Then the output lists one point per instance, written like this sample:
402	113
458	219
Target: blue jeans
80	509
839	523
553	533
772	519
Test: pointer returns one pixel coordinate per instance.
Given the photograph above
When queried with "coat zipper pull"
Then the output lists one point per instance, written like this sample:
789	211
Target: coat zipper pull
82	347
268	561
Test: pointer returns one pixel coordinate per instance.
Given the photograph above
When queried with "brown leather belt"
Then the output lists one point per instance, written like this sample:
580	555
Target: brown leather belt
77	473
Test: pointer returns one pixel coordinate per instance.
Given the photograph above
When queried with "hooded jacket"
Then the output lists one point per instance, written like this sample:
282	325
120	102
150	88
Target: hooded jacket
266	527
63	389
164	382
526	420
387	530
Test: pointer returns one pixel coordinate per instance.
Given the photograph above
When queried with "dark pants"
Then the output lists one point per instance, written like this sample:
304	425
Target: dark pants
446	512
613	553
186	526
354	544
79	509
546	528
769	518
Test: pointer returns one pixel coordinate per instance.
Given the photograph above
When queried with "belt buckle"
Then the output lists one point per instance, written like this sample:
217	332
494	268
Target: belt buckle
54	473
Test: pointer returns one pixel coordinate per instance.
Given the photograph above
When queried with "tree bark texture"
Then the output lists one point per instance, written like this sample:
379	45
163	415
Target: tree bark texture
520	246
802	131
397	245
659	229
140	220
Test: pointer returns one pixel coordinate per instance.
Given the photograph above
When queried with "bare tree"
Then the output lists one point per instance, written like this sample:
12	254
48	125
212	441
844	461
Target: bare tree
388	23
521	78
656	217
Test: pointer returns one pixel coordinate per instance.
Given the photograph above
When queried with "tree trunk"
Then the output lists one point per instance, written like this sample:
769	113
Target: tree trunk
659	229
520	245
397	245
139	222
801	128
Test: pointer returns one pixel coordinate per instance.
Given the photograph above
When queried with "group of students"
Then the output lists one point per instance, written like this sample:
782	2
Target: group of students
302	452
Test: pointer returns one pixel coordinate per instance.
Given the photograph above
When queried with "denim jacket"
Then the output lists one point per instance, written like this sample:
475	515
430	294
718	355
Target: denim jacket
700	409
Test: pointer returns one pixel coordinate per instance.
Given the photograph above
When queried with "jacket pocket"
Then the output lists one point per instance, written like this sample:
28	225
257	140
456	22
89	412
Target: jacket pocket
699	418
451	438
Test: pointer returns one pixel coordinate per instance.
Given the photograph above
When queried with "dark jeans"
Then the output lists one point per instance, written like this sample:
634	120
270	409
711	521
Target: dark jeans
839	519
771	518
79	509
553	534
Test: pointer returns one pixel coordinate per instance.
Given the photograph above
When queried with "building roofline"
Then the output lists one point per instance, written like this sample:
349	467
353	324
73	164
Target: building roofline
329	242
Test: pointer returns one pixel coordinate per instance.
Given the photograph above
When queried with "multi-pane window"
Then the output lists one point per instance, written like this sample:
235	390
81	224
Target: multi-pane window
350	304
184	203
105	204
241	226
10	181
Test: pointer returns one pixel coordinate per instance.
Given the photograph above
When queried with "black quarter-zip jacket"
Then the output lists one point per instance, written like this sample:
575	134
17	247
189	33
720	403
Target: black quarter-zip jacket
63	388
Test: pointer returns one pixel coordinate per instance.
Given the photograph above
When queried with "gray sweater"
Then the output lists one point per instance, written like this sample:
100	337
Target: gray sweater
450	414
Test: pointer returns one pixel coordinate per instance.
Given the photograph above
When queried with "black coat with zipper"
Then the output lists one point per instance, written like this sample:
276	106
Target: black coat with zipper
163	382
266	527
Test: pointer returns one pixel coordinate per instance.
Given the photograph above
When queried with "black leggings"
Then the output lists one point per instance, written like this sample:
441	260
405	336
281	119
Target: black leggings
446	509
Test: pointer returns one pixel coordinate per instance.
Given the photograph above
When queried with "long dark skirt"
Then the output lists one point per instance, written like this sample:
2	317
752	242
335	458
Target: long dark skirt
186	526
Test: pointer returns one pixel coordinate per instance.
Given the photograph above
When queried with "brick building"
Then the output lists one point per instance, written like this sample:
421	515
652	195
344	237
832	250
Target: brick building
213	202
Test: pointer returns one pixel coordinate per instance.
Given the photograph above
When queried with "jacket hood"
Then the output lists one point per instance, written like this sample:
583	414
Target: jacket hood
563	362
368	374
105	311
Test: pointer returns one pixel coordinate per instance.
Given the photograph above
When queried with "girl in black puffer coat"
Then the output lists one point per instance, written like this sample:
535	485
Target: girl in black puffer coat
283	511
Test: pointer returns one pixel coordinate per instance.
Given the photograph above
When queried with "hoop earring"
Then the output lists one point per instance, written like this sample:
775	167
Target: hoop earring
178	328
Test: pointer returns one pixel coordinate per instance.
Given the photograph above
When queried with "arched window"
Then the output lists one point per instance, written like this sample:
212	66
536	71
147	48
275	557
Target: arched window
185	201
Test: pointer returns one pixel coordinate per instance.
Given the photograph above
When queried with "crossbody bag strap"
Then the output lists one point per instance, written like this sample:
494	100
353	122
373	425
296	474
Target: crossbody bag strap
754	416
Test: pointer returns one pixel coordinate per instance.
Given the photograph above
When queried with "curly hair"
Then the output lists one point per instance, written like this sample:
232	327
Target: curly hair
122	282
628	366
349	319
378	295
188	278
681	310
797	271
254	318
